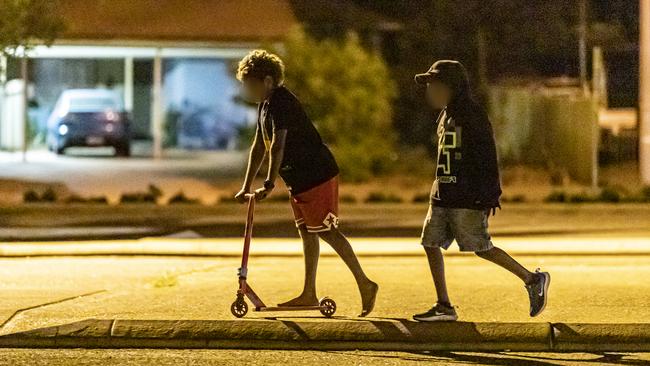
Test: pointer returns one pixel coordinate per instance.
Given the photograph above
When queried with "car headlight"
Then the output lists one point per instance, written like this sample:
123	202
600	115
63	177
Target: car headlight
112	116
63	130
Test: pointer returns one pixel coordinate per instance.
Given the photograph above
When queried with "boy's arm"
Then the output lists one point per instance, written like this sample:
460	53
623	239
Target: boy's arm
275	160
277	153
255	158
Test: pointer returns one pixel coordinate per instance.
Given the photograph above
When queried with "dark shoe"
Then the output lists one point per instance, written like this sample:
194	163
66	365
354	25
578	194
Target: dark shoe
438	313
538	292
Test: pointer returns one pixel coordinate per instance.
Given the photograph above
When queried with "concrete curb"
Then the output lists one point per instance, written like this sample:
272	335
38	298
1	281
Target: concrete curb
189	245
336	334
601	337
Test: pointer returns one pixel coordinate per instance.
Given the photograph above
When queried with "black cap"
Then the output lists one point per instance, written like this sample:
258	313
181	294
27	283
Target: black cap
446	71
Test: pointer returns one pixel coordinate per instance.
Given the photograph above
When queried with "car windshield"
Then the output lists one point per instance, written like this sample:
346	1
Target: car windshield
92	104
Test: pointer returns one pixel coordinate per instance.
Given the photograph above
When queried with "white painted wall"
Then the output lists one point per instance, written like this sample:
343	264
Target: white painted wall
11	125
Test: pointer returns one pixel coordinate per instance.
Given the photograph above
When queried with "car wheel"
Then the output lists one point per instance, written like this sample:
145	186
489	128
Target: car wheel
59	150
123	150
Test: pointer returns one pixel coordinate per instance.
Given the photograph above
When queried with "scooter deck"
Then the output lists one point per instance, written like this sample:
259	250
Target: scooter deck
288	308
239	308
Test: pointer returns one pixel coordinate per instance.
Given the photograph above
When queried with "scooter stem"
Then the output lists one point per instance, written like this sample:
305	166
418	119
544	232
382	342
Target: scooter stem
247	234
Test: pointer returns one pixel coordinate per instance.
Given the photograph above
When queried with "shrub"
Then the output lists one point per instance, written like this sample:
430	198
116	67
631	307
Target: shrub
150	196
155	191
31	196
49	195
517	198
79	199
98	199
609	194
348	198
556	196
381	197
348	91
137	197
581	198
422	197
180	197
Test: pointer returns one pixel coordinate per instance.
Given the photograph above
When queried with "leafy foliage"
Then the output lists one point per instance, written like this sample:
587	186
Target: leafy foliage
26	22
522	38
348	92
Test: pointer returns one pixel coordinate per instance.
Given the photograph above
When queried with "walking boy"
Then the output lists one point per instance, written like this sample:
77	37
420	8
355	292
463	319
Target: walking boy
466	188
295	151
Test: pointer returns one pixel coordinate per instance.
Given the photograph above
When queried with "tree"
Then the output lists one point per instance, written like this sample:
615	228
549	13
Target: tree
493	38
24	23
348	92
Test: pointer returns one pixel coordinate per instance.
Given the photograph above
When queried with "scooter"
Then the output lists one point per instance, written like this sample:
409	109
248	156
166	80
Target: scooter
239	307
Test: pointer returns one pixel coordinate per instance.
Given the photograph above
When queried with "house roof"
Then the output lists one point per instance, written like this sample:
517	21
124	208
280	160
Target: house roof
176	20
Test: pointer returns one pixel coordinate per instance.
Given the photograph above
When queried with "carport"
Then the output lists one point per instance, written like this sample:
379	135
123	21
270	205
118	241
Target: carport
125	31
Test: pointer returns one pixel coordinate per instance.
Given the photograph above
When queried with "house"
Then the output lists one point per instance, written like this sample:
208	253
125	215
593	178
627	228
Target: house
173	61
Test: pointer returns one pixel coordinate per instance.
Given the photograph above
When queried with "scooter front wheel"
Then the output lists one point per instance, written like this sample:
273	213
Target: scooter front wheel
327	307
239	308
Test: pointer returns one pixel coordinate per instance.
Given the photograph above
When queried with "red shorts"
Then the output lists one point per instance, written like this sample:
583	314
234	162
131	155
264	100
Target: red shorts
317	209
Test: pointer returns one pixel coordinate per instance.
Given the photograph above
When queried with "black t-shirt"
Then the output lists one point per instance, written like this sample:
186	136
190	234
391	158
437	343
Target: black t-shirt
307	161
467	175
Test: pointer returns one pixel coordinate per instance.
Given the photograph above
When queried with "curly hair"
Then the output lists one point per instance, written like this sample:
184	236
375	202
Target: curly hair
260	64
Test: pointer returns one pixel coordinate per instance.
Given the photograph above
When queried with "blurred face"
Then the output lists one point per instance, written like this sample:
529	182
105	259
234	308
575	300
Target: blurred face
438	94
256	90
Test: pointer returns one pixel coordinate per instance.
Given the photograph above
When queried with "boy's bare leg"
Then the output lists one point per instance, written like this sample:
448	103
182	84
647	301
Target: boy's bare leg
437	266
503	259
367	288
311	251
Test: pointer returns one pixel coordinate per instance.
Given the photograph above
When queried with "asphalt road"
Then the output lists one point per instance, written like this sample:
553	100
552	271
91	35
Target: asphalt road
94	172
47	291
30	357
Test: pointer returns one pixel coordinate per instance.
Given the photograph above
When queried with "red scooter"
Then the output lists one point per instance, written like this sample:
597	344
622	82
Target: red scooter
239	308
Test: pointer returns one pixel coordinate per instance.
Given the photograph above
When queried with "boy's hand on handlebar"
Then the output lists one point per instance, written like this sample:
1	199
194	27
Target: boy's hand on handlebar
241	196
262	193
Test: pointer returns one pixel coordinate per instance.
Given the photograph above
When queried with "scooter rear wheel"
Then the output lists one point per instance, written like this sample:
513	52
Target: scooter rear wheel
327	307
239	308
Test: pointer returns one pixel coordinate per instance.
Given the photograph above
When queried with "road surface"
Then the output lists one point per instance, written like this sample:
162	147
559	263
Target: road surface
21	357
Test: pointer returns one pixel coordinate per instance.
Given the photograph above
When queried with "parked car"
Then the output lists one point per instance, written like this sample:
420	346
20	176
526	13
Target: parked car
201	128
89	117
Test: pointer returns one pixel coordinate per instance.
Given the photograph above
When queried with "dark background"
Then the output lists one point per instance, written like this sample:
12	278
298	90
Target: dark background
524	40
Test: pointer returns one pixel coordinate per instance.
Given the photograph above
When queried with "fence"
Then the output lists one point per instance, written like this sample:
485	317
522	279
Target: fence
552	127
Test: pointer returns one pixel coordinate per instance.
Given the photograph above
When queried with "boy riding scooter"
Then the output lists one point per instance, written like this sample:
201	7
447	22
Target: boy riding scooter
295	152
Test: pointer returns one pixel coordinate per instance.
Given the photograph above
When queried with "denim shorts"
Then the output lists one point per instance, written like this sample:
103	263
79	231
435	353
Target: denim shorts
467	226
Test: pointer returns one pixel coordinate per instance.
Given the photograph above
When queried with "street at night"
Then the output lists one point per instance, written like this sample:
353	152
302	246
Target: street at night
202	288
47	291
315	182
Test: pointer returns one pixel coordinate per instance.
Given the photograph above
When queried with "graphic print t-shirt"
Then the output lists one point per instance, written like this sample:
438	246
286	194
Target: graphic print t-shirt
307	161
467	172
449	154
